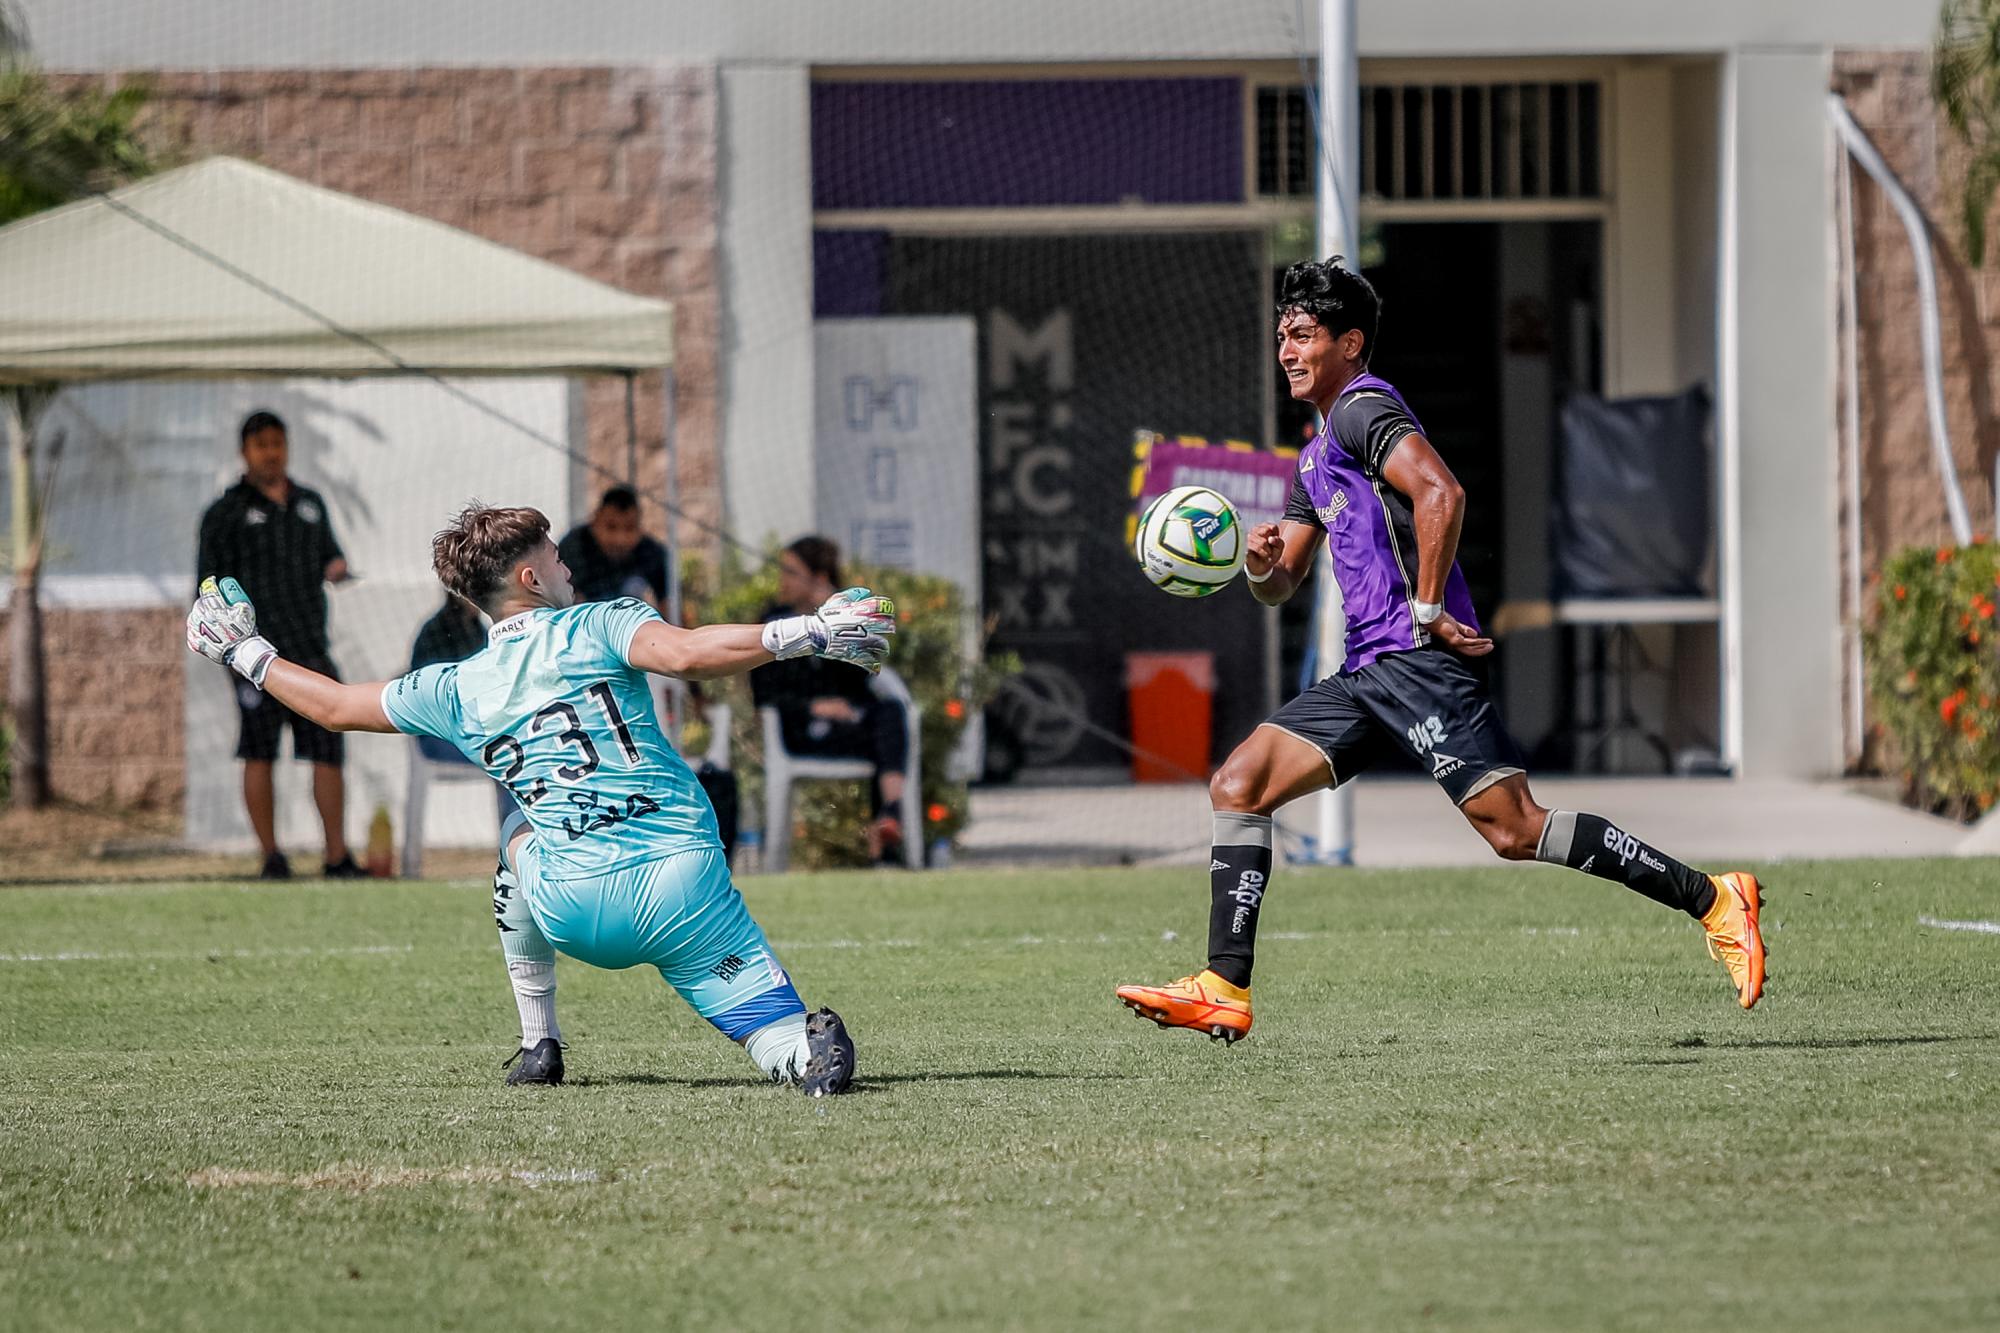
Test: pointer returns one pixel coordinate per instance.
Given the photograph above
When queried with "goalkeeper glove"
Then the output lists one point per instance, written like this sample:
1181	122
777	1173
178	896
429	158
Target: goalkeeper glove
222	626
849	626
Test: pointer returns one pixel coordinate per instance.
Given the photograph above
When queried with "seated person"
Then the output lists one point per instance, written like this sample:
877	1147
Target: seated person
826	709
452	634
609	557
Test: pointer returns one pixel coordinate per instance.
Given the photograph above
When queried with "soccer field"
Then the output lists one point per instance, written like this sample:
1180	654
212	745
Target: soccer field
1508	1098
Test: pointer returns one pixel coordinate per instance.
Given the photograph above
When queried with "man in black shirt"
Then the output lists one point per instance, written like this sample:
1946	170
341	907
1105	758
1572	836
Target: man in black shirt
274	537
609	557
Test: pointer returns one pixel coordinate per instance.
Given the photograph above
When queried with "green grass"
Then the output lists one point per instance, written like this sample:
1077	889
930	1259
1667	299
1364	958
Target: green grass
1494	1099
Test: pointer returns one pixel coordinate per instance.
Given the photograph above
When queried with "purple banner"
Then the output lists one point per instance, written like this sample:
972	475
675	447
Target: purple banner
997	143
1255	480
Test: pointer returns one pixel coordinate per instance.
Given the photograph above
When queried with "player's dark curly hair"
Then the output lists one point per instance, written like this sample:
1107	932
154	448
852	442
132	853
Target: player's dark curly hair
1335	295
474	556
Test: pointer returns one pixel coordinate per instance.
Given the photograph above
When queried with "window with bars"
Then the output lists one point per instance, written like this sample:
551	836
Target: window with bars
1447	141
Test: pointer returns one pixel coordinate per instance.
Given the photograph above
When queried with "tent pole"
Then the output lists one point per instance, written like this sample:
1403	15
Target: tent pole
631	429
676	688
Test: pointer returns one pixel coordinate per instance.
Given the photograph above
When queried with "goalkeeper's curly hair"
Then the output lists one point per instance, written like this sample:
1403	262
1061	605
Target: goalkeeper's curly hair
474	556
1335	295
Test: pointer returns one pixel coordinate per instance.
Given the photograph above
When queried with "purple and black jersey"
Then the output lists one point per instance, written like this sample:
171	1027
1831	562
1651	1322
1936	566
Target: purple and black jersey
1370	525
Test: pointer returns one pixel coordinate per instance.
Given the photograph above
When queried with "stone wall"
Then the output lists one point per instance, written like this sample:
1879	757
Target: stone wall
115	705
610	172
1902	502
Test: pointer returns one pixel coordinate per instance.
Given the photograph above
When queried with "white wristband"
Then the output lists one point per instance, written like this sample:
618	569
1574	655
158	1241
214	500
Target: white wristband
1260	578
252	658
1427	613
790	637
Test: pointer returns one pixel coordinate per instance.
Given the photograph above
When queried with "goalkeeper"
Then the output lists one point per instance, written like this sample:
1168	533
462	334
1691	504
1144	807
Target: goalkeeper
613	858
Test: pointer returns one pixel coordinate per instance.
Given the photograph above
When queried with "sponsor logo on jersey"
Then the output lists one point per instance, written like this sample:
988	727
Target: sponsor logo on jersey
1333	509
255	518
728	968
1444	765
308	511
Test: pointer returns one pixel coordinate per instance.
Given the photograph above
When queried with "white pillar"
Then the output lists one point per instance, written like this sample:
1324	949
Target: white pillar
1337	231
767	302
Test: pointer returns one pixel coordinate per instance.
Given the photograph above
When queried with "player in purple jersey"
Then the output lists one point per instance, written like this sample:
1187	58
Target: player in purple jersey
1373	485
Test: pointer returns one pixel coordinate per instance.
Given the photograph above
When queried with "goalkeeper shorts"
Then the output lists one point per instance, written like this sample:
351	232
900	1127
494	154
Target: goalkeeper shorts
681	914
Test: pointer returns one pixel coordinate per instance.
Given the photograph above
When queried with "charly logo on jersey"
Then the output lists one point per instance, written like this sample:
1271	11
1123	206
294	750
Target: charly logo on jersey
309	511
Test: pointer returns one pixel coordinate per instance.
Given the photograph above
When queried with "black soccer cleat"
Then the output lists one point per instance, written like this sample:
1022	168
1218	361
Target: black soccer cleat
275	867
830	1070
344	868
540	1064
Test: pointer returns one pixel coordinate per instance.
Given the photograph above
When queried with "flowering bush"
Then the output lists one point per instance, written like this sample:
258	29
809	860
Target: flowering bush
928	652
1934	672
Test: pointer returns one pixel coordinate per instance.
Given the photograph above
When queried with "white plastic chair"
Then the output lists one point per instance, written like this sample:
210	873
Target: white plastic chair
782	770
425	770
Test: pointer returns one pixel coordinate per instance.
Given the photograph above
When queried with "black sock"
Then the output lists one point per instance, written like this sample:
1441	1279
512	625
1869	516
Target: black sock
1239	869
1599	847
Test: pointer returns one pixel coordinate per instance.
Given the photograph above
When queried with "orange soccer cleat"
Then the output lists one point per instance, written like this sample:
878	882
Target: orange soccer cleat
1204	1002
1733	938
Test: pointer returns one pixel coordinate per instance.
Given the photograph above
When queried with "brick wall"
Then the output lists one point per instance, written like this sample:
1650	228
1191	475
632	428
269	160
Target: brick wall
1901	500
607	171
115	714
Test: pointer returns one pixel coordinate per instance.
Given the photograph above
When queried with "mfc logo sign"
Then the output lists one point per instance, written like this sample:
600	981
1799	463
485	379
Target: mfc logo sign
866	397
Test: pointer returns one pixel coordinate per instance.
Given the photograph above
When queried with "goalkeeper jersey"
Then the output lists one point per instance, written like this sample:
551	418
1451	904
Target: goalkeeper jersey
553	709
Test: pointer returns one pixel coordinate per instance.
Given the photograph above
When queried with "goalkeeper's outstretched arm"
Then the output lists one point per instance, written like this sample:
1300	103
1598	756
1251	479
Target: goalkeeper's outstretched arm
850	626
333	704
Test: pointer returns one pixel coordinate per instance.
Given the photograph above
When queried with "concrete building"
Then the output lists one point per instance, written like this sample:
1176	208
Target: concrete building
1635	198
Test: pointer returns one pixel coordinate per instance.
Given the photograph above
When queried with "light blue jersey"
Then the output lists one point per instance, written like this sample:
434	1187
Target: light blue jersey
553	709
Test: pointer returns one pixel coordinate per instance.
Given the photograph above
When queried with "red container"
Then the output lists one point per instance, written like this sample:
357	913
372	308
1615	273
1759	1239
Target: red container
1171	698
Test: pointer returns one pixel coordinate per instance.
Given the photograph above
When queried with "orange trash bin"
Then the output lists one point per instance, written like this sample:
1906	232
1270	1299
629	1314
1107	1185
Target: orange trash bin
1170	697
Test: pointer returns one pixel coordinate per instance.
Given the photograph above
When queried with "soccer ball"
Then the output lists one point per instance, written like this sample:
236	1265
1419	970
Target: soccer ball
1190	541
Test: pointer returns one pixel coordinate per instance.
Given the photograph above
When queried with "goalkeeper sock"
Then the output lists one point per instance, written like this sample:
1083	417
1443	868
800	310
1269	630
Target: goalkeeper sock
1598	847
780	1048
531	960
1239	868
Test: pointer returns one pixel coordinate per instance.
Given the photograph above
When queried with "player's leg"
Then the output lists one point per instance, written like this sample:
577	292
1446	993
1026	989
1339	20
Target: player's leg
1726	905
889	749
327	750
531	962
694	926
1318	737
260	725
1441	707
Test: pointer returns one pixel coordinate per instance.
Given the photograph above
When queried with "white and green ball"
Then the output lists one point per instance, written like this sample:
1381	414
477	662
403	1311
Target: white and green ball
1190	541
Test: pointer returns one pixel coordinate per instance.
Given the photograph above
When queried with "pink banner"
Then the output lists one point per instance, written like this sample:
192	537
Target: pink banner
1255	480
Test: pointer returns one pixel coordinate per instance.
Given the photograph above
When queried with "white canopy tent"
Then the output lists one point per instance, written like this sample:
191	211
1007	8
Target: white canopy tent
225	269
168	306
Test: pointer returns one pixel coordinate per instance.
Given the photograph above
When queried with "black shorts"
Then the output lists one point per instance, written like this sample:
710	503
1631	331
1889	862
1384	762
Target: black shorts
263	718
1431	703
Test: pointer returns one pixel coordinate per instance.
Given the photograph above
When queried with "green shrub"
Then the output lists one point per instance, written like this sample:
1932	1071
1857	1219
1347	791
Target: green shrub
929	651
1934	673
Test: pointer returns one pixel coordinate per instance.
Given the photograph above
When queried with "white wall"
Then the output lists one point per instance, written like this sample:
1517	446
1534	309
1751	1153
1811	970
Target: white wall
209	33
393	460
1776	421
767	302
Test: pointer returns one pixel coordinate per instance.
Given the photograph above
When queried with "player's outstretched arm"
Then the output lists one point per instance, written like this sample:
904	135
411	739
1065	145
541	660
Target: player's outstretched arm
697	654
851	626
222	626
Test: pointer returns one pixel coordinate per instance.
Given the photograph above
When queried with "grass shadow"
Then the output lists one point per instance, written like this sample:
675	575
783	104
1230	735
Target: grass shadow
1821	1043
862	1084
